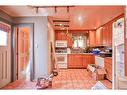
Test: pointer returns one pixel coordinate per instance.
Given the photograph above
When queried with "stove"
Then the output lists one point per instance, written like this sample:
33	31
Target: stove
61	58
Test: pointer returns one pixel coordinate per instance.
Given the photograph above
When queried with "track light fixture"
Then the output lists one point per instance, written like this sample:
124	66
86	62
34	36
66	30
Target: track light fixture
55	8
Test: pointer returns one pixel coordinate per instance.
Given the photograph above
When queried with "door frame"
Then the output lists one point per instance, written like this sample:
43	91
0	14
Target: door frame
10	24
31	25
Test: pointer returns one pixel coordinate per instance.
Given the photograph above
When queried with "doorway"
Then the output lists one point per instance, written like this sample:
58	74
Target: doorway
5	54
23	45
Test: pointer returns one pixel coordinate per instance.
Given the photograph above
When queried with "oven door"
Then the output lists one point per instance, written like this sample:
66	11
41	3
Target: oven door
61	58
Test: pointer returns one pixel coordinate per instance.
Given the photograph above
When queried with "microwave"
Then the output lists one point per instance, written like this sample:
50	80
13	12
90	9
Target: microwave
60	43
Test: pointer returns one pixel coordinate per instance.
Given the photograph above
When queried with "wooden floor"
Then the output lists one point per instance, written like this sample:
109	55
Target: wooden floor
67	79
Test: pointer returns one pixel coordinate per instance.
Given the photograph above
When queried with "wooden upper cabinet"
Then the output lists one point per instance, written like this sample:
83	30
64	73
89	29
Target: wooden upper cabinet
107	34
110	34
57	36
104	34
92	39
69	40
60	36
99	37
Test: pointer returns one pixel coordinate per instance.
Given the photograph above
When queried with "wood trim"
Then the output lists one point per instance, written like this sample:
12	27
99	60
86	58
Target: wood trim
75	31
125	46
126	57
32	64
78	30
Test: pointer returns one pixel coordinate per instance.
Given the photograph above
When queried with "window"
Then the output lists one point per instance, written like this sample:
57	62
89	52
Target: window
4	29
3	38
79	41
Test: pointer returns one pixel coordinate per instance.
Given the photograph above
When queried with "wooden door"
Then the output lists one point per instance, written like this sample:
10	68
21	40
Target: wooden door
5	60
23	52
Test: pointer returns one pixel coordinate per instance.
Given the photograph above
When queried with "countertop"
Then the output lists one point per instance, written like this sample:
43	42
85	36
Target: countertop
109	57
103	57
80	53
75	53
85	54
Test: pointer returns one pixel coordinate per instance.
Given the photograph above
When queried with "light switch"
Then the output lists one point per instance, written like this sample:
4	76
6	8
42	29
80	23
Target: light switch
36	45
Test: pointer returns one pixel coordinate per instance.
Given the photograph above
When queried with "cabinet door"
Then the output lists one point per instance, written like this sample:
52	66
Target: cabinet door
75	61
63	36
56	36
85	61
104	35
110	33
90	59
108	68
69	40
92	39
79	61
99	37
60	36
70	61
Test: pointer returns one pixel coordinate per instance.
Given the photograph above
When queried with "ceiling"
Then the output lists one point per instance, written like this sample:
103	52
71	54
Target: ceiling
79	17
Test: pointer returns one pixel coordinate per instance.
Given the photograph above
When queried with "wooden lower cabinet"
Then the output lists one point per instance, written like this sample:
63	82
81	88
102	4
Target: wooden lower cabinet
80	60
108	68
74	61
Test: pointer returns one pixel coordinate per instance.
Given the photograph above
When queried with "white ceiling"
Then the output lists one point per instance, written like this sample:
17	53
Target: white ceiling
81	17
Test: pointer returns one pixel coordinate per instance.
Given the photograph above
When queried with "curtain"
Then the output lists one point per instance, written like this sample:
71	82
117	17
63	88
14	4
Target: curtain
4	27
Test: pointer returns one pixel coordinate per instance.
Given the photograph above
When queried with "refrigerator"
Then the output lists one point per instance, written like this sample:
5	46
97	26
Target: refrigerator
118	52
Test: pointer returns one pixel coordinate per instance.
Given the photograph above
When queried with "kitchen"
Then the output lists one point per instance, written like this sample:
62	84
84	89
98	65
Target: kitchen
86	44
78	48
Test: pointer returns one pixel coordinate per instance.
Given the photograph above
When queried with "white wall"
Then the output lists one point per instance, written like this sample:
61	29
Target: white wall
40	39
